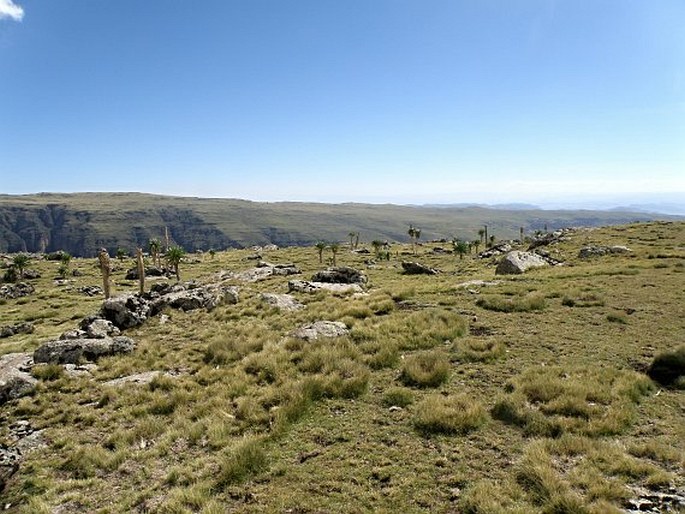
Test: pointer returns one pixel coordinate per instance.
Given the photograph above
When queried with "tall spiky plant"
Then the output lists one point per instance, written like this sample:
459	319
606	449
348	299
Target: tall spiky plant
106	269
174	256
460	247
20	262
414	235
141	270
335	248
155	247
320	247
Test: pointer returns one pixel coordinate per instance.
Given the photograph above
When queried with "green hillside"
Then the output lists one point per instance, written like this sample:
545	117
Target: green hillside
82	223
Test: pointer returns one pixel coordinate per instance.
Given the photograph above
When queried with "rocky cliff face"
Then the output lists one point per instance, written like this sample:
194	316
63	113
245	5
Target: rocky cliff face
56	227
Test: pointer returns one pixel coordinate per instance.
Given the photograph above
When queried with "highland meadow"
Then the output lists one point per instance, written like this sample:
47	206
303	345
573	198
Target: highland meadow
458	391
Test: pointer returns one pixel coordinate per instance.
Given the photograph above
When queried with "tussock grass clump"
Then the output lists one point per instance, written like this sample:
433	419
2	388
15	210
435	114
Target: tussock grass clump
245	459
576	298
528	303
549	401
347	379
617	317
538	478
237	339
426	369
85	462
458	414
668	368
418	330
485	497
48	372
398	396
475	350
382	355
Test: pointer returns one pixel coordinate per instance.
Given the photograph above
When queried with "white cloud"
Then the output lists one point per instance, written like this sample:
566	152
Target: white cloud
8	9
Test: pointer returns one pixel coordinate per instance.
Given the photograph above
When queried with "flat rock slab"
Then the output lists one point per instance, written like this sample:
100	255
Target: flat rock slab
478	283
284	302
321	329
303	286
415	268
517	262
263	271
598	251
207	297
340	275
15	380
71	351
139	378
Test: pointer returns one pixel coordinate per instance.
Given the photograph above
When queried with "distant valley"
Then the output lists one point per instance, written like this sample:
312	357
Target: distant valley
81	223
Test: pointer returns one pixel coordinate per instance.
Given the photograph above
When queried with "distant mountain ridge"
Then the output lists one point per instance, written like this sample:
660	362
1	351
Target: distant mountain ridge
81	223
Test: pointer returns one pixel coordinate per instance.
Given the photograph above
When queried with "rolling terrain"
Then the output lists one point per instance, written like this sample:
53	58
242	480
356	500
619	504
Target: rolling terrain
459	392
82	223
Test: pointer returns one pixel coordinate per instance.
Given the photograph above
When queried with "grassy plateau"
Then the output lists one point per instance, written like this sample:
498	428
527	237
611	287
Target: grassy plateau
527	394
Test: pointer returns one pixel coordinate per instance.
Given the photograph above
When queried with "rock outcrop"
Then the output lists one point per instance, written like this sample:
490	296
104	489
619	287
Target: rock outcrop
319	329
415	268
598	251
340	275
132	310
263	271
494	251
283	302
303	286
20	328
517	262
71	351
126	311
12	291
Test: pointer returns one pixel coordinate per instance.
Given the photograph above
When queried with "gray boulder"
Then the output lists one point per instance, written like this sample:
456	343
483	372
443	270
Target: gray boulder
125	311
598	251
284	302
263	271
340	275
517	262
321	329
9	464
15	380
98	328
415	268
90	290
303	286
20	328
12	291
206	297
496	250
71	351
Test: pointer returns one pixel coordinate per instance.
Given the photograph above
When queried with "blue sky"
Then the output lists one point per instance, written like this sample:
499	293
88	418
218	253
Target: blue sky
356	100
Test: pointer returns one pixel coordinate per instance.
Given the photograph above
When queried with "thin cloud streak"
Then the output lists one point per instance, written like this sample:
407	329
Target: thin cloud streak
9	9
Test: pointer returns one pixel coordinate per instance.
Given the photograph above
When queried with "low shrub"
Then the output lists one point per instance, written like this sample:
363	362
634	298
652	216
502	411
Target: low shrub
527	303
242	461
668	368
427	369
398	397
474	350
438	414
